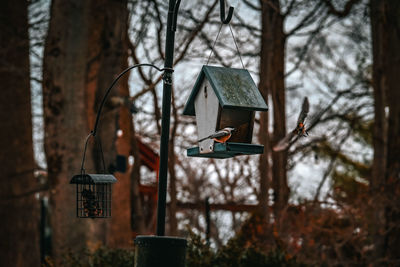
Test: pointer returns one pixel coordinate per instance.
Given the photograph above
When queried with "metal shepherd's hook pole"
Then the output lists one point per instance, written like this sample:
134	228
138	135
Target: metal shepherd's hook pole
173	9
161	250
166	113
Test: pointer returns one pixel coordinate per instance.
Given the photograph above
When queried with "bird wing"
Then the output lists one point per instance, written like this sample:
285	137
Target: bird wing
284	142
217	134
304	111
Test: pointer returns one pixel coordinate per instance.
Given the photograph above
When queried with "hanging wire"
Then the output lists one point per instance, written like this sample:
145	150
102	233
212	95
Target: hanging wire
84	154
233	36
101	153
215	41
237	48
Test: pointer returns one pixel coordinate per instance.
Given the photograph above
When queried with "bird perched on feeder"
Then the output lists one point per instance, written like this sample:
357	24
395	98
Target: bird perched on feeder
220	136
299	131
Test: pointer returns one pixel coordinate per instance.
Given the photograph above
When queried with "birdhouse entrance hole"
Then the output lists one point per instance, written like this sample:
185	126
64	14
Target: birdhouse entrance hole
241	120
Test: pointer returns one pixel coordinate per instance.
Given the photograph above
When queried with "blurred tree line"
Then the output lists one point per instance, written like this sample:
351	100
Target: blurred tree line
342	54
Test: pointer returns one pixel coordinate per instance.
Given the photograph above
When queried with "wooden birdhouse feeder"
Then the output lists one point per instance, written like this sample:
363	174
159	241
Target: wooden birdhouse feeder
93	195
224	97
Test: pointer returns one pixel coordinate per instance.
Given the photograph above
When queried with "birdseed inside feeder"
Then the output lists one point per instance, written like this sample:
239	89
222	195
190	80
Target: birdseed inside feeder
93	195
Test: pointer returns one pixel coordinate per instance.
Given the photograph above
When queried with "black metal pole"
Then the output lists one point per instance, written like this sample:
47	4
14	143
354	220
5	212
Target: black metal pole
161	250
208	221
165	122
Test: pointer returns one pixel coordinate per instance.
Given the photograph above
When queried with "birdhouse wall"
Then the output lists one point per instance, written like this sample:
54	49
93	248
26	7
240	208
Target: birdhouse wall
206	108
241	120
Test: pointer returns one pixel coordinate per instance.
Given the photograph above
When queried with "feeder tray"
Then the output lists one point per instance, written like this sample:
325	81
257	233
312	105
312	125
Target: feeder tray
227	150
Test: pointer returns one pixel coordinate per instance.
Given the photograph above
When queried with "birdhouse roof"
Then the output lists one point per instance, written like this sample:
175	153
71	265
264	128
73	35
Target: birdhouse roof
234	88
93	179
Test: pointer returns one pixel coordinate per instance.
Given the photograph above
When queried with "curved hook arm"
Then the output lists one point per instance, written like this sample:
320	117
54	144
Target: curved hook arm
222	12
175	17
94	131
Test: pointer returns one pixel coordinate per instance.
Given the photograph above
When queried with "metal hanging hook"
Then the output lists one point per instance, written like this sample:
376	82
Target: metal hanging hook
222	12
175	16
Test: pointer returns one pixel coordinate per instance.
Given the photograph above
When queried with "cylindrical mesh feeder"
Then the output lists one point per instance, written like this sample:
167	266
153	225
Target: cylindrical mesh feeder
93	195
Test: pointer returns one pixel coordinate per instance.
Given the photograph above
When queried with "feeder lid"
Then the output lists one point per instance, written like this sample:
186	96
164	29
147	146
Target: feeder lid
93	179
234	88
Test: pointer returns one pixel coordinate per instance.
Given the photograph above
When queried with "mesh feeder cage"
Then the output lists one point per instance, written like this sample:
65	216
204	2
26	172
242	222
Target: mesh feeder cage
93	195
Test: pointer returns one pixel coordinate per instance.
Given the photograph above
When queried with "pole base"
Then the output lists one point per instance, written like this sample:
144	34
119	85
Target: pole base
153	251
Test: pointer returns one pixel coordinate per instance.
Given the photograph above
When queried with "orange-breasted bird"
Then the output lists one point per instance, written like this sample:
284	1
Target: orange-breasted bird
220	136
299	131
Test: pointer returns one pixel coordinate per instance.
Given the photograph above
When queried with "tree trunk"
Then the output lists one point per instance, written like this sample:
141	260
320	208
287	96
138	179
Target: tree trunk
173	223
19	209
378	173
83	53
385	27
108	55
138	218
263	135
391	68
66	121
274	67
120	233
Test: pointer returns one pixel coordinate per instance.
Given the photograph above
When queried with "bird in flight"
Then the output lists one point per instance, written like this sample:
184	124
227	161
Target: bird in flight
220	136
299	131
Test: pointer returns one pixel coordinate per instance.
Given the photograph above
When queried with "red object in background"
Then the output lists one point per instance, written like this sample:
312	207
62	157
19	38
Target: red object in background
148	193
